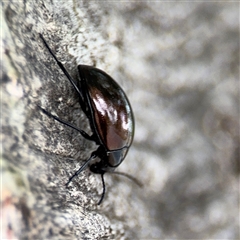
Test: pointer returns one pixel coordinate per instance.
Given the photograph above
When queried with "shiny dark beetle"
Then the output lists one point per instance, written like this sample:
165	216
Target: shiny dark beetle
110	116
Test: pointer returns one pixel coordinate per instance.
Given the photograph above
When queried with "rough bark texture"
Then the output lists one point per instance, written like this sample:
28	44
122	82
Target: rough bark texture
178	63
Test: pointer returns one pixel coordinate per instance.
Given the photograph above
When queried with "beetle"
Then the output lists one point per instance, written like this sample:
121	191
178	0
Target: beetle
110	117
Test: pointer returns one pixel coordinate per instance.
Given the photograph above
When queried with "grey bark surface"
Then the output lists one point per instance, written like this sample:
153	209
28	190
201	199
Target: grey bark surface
179	65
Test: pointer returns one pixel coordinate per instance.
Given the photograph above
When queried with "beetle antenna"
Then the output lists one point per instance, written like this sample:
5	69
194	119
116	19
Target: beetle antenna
129	177
83	167
103	193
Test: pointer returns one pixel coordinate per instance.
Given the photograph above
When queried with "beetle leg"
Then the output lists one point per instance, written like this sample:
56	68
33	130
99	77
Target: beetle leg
83	167
104	189
83	107
62	67
84	134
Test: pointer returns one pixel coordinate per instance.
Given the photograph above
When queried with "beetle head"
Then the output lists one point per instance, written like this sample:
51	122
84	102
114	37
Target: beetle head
115	158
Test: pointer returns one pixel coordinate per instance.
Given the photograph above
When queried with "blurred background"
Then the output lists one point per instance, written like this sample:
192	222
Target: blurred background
183	61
